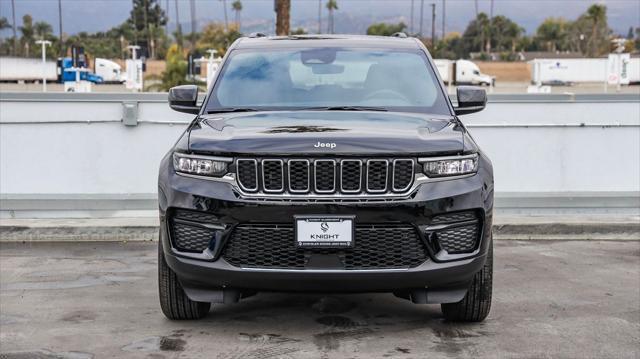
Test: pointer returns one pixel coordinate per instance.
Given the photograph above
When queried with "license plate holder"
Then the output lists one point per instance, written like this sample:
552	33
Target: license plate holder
324	231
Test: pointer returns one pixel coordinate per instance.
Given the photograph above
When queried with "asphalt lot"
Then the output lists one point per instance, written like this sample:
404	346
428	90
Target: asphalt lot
569	299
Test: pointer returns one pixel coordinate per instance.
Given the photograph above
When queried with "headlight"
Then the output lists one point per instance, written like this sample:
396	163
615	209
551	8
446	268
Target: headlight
200	165
450	166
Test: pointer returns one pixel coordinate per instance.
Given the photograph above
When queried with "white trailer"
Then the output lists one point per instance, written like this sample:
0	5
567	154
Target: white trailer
110	71
463	72
17	69
567	71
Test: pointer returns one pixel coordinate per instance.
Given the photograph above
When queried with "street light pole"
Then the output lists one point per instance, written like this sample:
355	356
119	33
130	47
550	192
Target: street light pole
44	44
433	25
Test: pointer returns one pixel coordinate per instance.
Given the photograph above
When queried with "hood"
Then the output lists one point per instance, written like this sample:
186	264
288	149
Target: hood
326	133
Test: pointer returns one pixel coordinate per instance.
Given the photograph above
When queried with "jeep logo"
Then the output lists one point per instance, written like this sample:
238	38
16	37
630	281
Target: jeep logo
326	145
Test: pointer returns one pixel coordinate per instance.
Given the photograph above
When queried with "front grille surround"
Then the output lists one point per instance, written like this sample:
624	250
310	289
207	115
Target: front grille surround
344	164
293	183
320	176
398	174
246	180
323	177
272	170
377	184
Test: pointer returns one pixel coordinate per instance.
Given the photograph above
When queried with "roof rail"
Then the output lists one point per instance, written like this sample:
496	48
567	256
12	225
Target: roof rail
401	35
256	35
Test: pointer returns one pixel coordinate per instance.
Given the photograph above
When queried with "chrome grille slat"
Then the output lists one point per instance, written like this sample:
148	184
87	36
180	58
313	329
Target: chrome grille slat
376	182
273	175
353	177
321	175
350	179
402	174
301	179
247	172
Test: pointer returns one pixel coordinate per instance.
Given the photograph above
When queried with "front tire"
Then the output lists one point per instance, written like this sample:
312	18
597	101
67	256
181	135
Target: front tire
475	305
174	302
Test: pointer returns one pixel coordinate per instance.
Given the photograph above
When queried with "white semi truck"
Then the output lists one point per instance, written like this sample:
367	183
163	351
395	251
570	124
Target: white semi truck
19	69
110	71
569	71
462	72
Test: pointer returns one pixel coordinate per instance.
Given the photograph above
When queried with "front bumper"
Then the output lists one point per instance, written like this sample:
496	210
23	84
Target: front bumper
430	199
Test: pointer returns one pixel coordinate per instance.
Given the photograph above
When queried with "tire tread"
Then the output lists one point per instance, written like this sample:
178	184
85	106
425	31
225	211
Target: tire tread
173	301
476	304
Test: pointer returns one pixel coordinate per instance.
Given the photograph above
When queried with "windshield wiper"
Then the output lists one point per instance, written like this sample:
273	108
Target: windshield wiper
232	109
347	108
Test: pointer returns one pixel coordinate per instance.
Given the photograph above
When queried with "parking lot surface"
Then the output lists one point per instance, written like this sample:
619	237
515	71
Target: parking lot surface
570	299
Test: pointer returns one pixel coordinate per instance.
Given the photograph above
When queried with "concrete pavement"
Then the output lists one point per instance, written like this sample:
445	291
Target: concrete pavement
571	299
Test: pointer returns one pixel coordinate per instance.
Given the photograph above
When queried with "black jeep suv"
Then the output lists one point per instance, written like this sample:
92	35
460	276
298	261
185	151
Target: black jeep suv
326	164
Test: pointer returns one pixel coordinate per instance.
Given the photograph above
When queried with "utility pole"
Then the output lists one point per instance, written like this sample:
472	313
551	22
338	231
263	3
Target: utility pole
491	11
411	20
444	7
178	27
433	25
60	27
319	16
476	1
226	20
421	15
194	25
44	44
166	25
135	24
15	36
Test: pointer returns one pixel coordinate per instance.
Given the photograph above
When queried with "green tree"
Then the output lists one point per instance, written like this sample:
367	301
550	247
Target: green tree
299	31
42	30
215	37
382	29
27	32
597	14
552	34
476	36
4	23
237	8
505	34
5	46
147	19
332	5
175	73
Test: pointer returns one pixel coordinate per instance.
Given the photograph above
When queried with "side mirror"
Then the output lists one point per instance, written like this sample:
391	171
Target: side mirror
470	99
184	98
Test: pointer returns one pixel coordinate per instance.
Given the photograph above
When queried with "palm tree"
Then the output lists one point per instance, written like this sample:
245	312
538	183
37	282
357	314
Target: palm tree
27	33
598	16
42	29
4	23
237	7
331	6
283	14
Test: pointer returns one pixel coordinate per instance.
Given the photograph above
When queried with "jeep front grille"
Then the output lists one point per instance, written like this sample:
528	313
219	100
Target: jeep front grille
325	176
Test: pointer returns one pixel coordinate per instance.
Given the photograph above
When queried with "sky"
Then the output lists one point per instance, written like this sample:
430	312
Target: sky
100	15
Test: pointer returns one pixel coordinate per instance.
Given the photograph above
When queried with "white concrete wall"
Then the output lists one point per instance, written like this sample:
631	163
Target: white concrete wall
74	148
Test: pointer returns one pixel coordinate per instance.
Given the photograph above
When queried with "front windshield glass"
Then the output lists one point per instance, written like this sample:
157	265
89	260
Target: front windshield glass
283	79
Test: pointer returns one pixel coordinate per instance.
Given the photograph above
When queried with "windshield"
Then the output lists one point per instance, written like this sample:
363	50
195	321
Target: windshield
282	79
